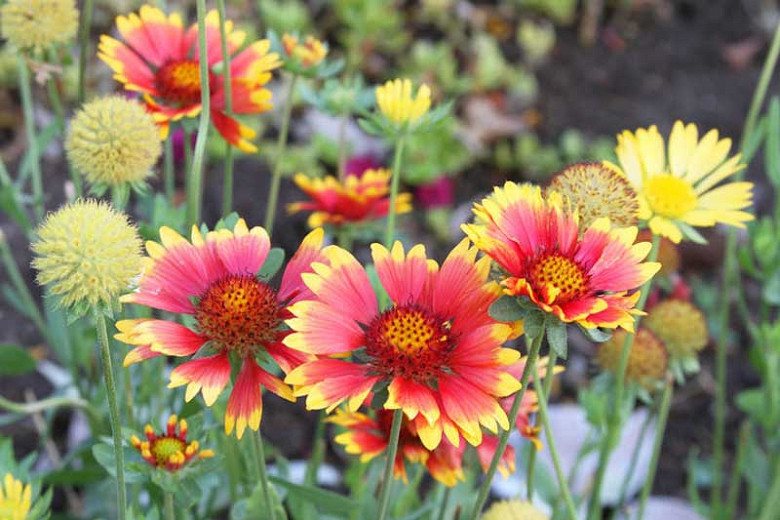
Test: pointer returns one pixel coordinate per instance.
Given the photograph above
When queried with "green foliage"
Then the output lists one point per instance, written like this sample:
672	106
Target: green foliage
15	360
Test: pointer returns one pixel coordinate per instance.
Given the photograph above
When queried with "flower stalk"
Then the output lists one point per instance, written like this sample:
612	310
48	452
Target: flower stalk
503	439
546	388
613	426
113	410
195	175
276	179
394	184
392	450
227	186
660	429
32	141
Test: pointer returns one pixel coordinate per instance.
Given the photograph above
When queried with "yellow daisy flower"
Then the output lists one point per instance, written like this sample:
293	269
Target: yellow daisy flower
677	187
15	499
399	104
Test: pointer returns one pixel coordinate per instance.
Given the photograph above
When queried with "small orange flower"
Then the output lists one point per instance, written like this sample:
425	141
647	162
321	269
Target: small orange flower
170	450
159	59
355	199
310	52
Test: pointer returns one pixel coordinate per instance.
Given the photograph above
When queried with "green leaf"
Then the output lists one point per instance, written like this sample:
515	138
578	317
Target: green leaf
557	337
15	360
254	506
754	143
690	233
506	309
272	264
104	455
534	323
11	206
326	502
596	334
771	291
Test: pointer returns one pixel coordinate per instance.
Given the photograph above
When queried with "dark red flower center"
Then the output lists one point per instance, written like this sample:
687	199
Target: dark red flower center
179	82
557	272
409	342
239	313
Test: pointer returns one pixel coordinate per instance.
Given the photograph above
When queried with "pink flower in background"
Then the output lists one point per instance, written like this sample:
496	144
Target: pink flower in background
436	194
358	165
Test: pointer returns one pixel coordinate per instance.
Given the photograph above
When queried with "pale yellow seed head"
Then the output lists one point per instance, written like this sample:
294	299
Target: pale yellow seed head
38	24
647	360
113	141
680	325
513	510
595	190
87	253
396	102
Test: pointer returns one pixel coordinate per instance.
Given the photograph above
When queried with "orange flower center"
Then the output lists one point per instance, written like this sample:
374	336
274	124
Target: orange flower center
239	313
561	273
179	82
163	447
408	342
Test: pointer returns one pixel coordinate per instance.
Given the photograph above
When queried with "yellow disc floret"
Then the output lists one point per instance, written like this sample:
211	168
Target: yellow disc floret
680	325
596	190
38	24
15	499
87	253
113	141
513	510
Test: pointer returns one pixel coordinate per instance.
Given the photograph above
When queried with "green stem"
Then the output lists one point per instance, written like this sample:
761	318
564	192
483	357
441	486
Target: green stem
48	404
394	183
660	430
731	279
613	426
254	460
562	484
445	502
227	185
317	452
169	179
170	513
546	388
196	173
113	410
273	194
264	476
342	158
745	433
30	305
392	450
503	438
86	17
32	141
56	103
771	508
634	459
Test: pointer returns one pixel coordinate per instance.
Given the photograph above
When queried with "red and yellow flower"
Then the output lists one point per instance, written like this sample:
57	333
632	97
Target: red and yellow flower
236	314
355	199
170	450
368	437
159	58
435	347
585	278
308	53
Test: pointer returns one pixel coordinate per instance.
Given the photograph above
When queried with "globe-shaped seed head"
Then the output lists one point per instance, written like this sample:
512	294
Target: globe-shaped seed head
86	254
113	141
38	24
647	361
680	325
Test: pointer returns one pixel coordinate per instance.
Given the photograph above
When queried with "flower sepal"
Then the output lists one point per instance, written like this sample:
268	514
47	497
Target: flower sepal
339	97
377	124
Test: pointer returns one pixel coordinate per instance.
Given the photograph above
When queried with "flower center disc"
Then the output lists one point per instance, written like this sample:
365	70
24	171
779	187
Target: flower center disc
163	447
561	273
669	196
239	313
179	82
408	342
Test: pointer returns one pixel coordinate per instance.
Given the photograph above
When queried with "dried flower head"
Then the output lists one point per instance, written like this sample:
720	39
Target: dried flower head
308	53
595	190
87	253
397	103
680	325
513	510
113	141
38	24
170	450
15	499
647	361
